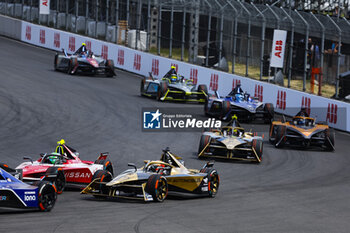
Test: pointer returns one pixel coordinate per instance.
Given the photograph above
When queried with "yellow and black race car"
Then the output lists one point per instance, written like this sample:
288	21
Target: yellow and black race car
155	180
231	142
173	87
302	131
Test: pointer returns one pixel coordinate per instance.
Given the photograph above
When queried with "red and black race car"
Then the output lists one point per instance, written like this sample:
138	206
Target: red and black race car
70	169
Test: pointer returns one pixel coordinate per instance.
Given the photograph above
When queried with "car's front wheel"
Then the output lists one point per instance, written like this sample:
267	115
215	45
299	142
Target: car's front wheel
157	186
46	196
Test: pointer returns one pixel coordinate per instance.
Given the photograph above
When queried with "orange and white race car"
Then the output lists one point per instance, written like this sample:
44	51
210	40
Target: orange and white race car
302	131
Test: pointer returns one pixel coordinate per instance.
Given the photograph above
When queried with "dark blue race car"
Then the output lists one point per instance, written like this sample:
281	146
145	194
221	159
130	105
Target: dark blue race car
16	194
238	103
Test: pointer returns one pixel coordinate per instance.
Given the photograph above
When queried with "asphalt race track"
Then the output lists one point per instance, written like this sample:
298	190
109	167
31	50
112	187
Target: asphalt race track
290	191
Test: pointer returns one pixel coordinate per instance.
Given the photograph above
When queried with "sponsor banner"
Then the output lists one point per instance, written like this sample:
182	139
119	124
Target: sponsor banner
278	48
142	63
44	8
175	120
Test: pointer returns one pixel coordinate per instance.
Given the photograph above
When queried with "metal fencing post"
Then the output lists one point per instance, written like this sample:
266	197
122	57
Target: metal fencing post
148	45
306	48
67	6
338	54
171	29
96	16
274	14
107	19
86	16
208	35
291	46
159	27
22	15
30	11
116	21
262	39
138	23
322	51
76	15
248	38
234	29
183	33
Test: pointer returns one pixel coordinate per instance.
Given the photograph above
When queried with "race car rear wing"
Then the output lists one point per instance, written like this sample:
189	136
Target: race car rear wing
103	156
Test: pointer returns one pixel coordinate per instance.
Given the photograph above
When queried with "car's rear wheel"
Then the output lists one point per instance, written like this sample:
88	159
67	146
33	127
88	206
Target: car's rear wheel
73	62
102	176
202	88
280	139
269	113
60	180
213	181
107	165
225	109
109	68
330	140
162	90
205	139
258	147
157	186
56	62
46	196
272	133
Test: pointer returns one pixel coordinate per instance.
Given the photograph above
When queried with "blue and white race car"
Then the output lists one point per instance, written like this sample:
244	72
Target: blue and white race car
238	103
16	194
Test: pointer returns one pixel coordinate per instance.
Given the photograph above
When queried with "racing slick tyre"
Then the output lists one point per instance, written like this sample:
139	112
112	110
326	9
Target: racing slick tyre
107	165
280	139
60	180
205	139
258	147
103	176
272	133
157	186
213	181
202	88
225	109
330	140
73	62
109	68
46	196
162	90
269	113
56	62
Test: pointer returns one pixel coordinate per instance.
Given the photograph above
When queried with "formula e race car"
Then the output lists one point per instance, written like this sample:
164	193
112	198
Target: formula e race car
174	88
238	103
83	61
155	179
231	142
302	131
65	161
16	194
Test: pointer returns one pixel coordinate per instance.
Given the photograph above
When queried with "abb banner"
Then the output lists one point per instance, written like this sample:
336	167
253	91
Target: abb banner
278	48
286	101
44	8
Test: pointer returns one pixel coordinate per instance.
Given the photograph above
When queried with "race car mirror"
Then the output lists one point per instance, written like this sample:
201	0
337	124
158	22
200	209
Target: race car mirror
217	94
132	165
28	158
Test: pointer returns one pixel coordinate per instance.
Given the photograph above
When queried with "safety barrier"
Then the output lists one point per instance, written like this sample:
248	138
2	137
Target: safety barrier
286	101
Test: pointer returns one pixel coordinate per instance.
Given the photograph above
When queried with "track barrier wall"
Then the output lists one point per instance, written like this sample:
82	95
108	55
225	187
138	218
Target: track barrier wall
285	101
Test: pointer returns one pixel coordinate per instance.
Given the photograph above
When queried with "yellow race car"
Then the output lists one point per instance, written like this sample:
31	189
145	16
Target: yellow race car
156	179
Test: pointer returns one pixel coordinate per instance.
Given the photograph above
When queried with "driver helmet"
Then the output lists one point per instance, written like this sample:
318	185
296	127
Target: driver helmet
235	132
239	97
173	78
83	48
53	158
301	121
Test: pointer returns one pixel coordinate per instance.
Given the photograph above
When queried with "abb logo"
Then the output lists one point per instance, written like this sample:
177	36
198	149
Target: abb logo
259	90
45	2
88	45
56	40
71	45
104	52
155	67
120	57
28	32
332	113
278	48
137	62
214	80
194	75
235	83
42	36
306	103
176	66
281	100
